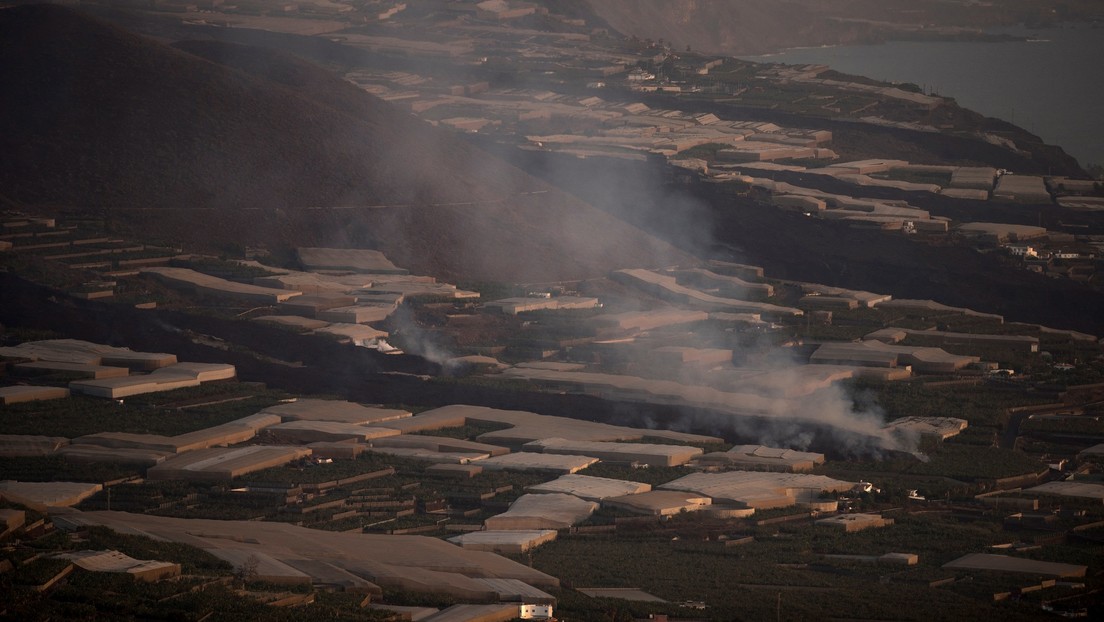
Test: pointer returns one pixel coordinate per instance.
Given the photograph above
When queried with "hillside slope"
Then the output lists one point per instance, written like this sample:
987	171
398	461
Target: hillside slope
178	146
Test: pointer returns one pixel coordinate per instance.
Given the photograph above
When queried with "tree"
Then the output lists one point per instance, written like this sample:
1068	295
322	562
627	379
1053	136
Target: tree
247	572
616	614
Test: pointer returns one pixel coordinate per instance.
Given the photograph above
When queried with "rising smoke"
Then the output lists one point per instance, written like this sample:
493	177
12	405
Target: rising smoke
832	418
787	412
829	419
413	338
444	207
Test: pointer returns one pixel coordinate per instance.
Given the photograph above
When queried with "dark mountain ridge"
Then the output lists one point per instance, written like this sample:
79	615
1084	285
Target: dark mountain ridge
101	119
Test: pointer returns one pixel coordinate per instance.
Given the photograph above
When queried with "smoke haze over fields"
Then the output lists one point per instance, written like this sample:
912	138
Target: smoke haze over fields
265	148
276	152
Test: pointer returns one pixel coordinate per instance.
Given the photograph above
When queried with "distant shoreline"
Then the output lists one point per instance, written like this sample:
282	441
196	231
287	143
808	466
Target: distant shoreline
894	33
1033	78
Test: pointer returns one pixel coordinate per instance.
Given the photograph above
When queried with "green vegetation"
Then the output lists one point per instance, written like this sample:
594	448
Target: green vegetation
225	269
1064	425
810	162
39	571
409	487
311	473
1090	373
143	496
937	539
918	177
961	462
685	560
191	559
49	273
56	468
203	592
658	440
776	575
468	432
980	405
169	413
493	480
114	260
93	596
14	335
834	332
706	152
651	475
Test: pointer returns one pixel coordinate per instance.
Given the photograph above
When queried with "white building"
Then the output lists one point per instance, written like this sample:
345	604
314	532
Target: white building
535	612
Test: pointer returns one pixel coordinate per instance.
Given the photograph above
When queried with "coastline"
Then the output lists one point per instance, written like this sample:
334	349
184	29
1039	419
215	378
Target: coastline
1029	77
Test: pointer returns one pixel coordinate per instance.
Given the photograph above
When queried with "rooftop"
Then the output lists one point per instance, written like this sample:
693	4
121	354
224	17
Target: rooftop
590	488
1004	563
530	461
547	511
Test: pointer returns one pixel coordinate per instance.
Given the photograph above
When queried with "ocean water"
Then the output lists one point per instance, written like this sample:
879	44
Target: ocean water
1052	85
